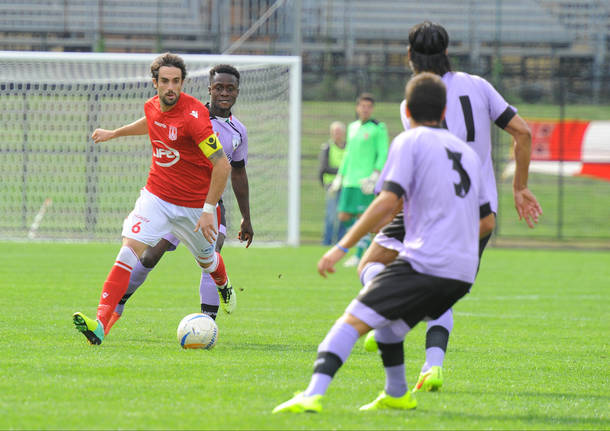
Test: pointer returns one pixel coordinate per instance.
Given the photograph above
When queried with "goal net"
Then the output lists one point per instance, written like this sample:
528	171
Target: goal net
58	185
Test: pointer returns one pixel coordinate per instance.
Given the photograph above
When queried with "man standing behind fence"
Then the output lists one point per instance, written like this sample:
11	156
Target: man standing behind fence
331	156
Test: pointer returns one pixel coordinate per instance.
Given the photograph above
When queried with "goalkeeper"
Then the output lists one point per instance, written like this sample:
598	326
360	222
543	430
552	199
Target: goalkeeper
366	153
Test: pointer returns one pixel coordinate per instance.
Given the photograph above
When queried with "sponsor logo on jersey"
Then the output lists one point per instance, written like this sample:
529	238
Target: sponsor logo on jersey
160	124
173	133
195	114
165	157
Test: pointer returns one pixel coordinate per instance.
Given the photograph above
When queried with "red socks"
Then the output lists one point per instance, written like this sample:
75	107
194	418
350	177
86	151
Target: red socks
220	273
116	283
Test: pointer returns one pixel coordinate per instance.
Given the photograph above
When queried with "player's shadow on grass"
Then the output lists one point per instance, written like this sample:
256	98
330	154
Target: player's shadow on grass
553	395
301	348
534	419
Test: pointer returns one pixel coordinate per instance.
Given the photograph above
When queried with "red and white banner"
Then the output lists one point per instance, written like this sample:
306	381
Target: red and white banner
583	146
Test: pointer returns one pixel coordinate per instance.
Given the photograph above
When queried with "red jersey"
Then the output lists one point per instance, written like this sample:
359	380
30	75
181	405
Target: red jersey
180	172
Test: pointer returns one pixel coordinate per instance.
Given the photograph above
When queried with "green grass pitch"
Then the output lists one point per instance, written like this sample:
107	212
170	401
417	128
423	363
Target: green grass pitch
529	348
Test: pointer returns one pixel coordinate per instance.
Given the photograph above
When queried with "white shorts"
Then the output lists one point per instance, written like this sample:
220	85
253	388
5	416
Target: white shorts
152	218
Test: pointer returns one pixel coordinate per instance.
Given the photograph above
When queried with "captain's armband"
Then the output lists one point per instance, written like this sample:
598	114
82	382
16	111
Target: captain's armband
210	145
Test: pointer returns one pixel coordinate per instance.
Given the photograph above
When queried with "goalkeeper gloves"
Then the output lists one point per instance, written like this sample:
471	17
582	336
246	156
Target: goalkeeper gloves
336	184
367	185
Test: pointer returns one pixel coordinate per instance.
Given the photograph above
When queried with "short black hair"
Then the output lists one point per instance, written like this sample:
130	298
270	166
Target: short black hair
426	97
366	96
170	60
428	44
224	68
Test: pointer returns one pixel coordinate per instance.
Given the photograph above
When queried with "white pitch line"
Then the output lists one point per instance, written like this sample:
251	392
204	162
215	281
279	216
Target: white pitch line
38	219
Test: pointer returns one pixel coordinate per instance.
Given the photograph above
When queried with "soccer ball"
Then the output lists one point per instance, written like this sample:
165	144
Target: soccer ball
197	331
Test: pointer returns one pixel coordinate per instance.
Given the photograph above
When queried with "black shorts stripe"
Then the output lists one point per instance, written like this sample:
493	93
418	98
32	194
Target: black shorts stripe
396	228
223	218
238	163
504	118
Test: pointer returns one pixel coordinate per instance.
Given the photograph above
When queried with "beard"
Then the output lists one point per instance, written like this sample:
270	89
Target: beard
168	102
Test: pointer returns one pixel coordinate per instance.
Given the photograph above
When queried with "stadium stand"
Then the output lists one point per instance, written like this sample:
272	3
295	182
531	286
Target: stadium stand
57	24
535	38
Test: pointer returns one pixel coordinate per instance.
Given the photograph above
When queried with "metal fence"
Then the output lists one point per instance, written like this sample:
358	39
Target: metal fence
549	58
575	200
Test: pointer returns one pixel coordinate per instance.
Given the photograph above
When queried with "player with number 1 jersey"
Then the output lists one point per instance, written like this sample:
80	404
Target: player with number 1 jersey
438	178
473	104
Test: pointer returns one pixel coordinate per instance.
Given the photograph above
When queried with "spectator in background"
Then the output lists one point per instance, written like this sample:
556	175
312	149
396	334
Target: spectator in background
366	153
331	156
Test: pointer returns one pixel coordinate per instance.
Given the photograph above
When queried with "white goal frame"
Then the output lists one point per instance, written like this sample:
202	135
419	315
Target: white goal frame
294	115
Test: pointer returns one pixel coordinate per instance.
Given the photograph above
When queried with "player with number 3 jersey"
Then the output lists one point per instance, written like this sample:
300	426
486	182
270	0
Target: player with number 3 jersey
473	104
438	178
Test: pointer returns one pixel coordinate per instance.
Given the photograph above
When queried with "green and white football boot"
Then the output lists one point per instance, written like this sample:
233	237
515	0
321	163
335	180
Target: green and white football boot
92	329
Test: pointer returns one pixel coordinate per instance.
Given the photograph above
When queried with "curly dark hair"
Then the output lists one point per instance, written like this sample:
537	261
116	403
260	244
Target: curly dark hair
224	68
170	60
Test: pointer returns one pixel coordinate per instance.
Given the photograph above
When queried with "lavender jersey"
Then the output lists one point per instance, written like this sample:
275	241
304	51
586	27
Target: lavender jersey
440	178
472	105
233	136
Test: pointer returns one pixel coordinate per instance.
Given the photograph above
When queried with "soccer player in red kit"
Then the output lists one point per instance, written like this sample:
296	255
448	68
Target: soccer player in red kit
188	174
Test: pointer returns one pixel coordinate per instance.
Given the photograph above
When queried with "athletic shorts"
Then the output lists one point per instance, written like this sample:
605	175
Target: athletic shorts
393	234
353	201
222	227
400	292
152	218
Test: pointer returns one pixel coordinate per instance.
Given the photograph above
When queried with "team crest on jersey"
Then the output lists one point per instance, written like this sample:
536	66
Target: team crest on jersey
173	133
236	141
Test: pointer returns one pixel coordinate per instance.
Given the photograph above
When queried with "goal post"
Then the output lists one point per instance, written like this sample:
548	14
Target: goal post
50	103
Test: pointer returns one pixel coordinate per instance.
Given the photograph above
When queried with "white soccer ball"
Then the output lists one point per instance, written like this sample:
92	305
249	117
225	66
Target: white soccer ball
197	331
